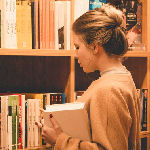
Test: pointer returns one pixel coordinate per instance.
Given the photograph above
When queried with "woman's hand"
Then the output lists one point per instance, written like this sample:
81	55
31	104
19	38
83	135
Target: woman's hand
50	134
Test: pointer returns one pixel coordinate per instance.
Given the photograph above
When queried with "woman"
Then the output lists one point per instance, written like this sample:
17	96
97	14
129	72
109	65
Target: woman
111	101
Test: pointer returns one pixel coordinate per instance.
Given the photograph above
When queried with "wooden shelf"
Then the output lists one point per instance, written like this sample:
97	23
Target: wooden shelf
38	148
37	52
137	53
50	52
144	134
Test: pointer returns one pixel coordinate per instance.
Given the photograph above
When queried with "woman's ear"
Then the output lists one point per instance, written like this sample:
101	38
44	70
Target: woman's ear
96	49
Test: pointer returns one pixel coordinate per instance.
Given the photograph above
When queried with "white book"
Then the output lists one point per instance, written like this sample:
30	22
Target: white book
9	39
72	118
32	123
80	7
36	119
56	24
29	123
67	19
4	113
59	24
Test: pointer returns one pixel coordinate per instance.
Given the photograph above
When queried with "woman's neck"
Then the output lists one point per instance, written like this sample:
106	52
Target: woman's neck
109	63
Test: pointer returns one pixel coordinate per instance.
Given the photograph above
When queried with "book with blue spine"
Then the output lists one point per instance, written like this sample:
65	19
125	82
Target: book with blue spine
96	4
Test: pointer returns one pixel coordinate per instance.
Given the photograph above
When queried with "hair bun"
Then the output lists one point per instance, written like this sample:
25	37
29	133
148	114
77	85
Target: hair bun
116	15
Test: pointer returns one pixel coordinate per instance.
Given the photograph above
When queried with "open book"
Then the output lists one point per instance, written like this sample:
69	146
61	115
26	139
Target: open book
72	118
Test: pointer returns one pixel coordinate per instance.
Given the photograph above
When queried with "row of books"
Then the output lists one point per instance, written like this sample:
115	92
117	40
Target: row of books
37	24
45	24
18	115
20	111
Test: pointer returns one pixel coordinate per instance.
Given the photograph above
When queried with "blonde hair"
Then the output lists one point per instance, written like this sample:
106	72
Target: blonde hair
103	26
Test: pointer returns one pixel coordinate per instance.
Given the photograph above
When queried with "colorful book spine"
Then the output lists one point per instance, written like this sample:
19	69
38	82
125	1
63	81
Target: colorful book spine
52	24
33	21
144	112
55	98
41	23
13	100
47	24
23	120
20	121
96	4
44	23
26	123
37	23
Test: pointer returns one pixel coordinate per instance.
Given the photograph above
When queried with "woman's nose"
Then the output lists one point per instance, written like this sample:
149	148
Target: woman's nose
76	54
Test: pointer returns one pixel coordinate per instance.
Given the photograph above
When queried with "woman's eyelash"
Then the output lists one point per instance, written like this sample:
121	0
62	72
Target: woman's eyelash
77	47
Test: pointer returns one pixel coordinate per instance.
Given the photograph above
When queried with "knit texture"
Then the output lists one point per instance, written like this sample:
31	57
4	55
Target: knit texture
114	112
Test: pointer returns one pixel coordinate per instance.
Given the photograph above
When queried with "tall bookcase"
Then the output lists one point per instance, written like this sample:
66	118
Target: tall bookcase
44	70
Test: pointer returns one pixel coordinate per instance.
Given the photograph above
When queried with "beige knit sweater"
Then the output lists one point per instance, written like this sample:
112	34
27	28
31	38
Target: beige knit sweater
114	112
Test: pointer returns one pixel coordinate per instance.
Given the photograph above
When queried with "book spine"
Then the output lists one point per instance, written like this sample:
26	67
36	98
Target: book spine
33	24
11	102
33	122
80	7
52	24
47	99
144	119
96	4
17	129
56	25
67	25
131	14
44	23
60	5
10	24
4	110
37	119
47	24
20	121
63	98
41	22
23	120
37	23
10	127
26	123
29	123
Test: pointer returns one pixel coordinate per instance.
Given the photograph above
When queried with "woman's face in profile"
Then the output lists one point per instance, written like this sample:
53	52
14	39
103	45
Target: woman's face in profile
83	54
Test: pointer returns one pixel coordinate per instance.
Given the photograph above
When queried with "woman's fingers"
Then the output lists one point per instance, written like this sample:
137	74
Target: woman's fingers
42	110
42	121
53	121
40	125
55	124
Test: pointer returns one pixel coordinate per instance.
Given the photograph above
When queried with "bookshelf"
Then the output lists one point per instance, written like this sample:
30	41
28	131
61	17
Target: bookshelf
50	70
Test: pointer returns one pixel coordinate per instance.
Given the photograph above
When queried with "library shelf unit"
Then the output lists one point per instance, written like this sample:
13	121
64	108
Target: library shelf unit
44	70
36	52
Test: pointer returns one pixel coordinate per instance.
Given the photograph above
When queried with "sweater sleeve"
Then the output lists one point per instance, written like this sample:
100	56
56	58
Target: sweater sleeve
65	142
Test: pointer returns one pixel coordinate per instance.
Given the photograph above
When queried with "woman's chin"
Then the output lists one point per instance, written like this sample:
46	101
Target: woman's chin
87	70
